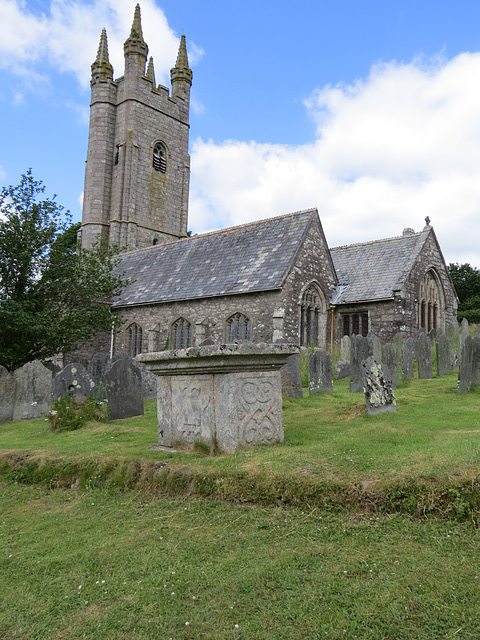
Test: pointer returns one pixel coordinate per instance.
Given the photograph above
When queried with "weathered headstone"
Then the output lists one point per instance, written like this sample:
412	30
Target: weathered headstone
342	369
361	349
465	367
398	340
406	358
33	391
319	372
451	330
424	357
291	377
74	381
7	394
345	343
379	396
97	367
390	359
476	361
444	348
463	334
375	346
123	388
432	334
411	344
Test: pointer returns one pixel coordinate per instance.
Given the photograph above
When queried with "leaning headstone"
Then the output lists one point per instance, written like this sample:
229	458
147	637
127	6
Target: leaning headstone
406	358
465	368
33	391
74	381
7	394
97	367
123	387
463	334
375	346
424	357
476	361
361	349
390	359
345	343
342	369
319	372
378	390
291	377
444	348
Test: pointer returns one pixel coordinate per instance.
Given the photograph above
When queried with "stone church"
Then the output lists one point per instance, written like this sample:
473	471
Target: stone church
268	281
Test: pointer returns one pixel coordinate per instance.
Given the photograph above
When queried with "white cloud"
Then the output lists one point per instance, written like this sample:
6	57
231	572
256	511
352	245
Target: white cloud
68	37
390	150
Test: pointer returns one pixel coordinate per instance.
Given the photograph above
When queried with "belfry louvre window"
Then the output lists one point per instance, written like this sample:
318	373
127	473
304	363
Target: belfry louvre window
239	327
355	324
160	157
181	334
134	340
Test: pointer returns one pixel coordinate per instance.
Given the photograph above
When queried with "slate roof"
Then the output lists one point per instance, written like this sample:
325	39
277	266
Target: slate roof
252	257
374	270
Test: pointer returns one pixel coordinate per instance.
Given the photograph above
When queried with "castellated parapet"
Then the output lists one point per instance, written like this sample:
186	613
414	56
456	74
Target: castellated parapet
138	167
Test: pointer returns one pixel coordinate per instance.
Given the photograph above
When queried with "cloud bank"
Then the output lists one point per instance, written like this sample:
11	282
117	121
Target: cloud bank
390	150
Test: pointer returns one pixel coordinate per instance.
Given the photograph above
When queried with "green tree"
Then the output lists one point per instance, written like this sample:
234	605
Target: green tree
466	280
52	296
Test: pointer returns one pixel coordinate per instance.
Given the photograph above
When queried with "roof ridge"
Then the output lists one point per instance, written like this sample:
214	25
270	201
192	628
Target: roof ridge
218	231
360	244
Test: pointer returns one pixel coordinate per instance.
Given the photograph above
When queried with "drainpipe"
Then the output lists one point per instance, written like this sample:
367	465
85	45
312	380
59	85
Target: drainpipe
331	328
111	342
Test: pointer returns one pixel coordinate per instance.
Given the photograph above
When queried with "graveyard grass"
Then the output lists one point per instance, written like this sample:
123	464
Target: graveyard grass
357	526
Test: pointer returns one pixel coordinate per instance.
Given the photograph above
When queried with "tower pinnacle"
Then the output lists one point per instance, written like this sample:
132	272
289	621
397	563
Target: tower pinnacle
136	31
151	71
101	68
181	71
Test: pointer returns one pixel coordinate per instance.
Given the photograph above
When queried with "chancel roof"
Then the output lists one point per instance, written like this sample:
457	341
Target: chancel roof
252	257
374	270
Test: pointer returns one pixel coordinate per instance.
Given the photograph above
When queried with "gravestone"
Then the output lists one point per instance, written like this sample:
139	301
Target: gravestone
149	382
424	357
7	394
342	369
465	367
73	381
411	344
476	361
398	340
390	360
345	343
97	367
123	388
432	334
463	334
451	330
291	377
33	391
361	349
406	358
375	346
378	390
319	372
444	349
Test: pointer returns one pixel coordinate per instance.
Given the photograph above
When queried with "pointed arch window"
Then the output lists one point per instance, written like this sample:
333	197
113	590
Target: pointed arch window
134	339
181	334
312	317
160	157
239	327
431	306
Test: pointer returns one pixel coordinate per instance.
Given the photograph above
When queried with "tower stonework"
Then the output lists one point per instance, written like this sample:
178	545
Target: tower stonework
138	168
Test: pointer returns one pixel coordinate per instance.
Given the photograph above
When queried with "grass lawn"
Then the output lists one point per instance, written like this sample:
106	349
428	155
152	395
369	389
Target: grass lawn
355	527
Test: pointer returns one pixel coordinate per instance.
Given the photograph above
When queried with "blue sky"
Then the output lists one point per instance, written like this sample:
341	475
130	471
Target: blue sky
368	110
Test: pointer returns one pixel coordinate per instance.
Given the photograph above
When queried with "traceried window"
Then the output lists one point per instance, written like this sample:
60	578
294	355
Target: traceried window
312	318
134	340
355	324
160	157
239	327
430	304
181	334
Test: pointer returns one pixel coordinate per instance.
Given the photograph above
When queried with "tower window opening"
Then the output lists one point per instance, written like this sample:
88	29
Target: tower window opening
160	157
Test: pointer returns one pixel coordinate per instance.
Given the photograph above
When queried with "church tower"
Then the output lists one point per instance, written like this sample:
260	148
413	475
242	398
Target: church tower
138	168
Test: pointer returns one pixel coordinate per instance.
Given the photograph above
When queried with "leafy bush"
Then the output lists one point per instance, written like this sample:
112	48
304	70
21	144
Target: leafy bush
67	414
